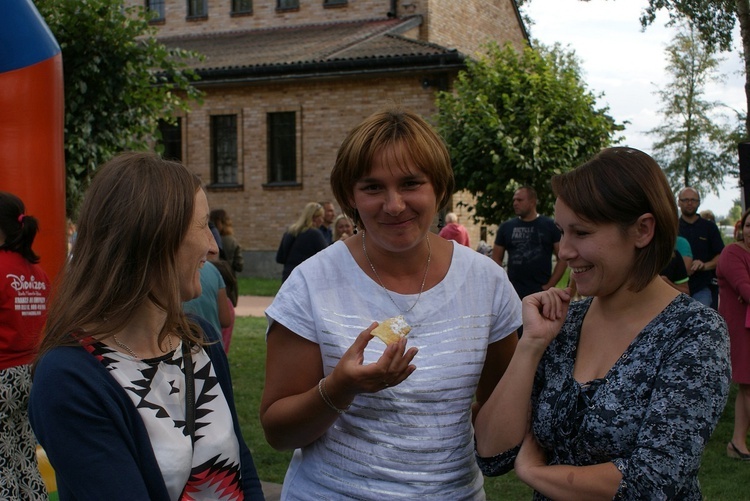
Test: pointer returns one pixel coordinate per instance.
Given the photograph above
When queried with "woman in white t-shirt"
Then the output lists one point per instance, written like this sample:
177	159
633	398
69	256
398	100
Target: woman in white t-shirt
375	422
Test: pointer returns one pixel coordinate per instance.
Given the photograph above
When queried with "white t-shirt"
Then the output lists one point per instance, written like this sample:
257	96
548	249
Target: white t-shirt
414	439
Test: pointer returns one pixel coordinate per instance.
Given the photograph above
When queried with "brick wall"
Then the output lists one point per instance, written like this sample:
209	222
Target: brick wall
467	25
264	15
326	111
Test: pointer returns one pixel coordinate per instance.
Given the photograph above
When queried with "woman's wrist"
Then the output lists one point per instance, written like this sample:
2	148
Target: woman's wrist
332	395
324	395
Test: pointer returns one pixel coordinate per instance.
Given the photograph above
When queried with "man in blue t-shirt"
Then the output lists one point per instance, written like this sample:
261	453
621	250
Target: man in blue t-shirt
530	240
705	242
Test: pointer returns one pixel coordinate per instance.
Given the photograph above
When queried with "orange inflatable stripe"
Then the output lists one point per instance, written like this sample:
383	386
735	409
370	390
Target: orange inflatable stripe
32	159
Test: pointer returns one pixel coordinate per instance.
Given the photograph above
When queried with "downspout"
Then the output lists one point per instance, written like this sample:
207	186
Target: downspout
394	9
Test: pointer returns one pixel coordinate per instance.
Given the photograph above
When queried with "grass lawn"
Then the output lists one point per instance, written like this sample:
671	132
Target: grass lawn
722	479
254	286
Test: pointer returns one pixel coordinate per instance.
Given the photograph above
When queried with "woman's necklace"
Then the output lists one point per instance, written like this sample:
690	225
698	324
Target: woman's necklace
424	278
131	352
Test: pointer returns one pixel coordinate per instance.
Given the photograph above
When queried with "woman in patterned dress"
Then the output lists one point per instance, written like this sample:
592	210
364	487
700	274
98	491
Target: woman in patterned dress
121	368
614	396
24	290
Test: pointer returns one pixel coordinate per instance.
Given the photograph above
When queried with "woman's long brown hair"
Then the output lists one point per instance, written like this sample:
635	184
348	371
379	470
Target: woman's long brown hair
134	217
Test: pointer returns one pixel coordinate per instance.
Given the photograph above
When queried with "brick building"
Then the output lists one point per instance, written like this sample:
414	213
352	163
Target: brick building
285	80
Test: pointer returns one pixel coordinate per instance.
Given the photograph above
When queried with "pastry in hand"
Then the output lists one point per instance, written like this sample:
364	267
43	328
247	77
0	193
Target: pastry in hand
391	330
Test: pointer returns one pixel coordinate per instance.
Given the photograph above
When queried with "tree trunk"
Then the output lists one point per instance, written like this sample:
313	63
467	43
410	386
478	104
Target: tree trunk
743	16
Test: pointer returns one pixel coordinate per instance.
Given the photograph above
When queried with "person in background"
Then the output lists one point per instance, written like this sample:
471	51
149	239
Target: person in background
484	248
132	399
342	228
24	291
329	215
366	420
454	231
230	263
302	240
213	304
733	273
617	395
706	244
232	248
708	215
683	247
530	240
675	273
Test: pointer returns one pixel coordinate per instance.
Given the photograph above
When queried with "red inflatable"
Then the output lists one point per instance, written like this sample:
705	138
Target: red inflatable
32	161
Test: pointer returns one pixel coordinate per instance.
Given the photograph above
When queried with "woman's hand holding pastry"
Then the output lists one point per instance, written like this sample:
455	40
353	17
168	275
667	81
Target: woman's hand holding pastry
392	368
543	315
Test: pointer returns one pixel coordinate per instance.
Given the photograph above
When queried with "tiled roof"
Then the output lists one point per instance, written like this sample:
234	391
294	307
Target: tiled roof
308	47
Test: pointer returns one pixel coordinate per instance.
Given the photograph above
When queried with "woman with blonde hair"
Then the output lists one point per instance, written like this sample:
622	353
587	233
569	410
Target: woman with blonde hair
302	240
343	227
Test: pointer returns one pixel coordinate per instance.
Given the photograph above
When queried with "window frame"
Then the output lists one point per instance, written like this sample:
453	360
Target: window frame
193	15
239	12
161	11
287	8
178	138
218	179
272	178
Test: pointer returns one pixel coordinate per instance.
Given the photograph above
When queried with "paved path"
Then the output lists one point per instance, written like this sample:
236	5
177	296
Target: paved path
272	492
253	306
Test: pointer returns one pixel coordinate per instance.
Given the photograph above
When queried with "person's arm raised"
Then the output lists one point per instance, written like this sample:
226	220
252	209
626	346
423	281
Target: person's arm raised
502	422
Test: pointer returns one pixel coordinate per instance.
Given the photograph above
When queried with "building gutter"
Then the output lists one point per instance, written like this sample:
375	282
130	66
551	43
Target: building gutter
453	61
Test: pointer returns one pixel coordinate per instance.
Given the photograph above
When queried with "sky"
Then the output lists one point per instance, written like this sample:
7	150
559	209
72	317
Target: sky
627	64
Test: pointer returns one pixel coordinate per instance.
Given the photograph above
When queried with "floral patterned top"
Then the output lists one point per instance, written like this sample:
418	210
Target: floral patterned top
651	415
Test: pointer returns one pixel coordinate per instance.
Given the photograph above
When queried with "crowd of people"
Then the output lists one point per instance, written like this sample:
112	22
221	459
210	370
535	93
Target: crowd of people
609	386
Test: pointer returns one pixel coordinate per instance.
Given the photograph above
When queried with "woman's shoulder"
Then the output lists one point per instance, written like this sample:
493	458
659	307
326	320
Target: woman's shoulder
64	363
735	248
687	317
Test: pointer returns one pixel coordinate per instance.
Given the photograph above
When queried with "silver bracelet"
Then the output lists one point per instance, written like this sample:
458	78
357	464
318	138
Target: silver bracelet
324	396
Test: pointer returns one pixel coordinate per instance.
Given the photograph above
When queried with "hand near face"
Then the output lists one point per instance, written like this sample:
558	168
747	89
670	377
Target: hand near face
543	315
391	369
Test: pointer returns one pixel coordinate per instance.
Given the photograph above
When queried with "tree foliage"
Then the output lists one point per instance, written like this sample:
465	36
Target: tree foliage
518	119
695	147
715	21
118	82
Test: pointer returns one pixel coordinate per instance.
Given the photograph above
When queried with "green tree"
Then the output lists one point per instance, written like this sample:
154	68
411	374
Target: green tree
518	119
694	147
735	213
118	82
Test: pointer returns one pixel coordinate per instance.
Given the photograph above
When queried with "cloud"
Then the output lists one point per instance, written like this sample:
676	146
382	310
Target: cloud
627	64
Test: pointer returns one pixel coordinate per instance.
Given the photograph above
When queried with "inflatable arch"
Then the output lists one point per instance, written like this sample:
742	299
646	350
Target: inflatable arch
32	160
